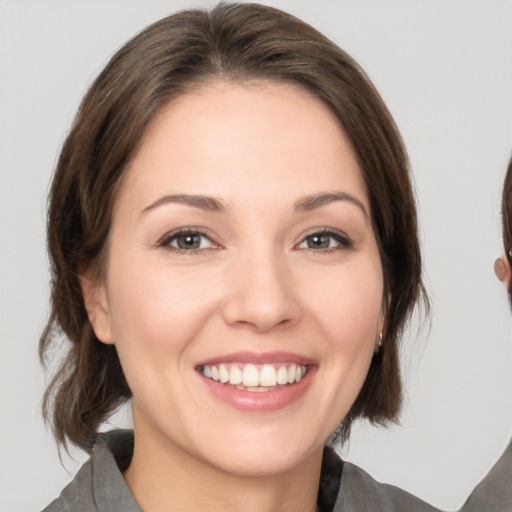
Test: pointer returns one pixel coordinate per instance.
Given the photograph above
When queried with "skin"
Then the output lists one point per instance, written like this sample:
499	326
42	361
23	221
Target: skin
254	285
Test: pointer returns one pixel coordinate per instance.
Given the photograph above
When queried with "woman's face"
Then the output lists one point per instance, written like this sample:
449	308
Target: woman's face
244	286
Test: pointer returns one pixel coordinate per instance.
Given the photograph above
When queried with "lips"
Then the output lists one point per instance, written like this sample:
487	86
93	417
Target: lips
258	382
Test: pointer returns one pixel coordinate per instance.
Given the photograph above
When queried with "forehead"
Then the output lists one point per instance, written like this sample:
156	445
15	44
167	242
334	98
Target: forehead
243	138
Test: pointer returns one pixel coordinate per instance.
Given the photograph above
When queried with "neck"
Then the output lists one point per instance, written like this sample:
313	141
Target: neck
160	475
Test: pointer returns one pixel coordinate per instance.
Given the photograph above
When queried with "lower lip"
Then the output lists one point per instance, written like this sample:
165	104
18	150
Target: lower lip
265	401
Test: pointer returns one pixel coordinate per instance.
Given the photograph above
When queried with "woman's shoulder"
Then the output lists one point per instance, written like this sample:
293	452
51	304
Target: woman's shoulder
358	491
77	495
494	492
99	484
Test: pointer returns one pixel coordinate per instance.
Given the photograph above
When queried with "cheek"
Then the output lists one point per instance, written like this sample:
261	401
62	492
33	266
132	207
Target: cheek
348	312
157	308
156	316
349	305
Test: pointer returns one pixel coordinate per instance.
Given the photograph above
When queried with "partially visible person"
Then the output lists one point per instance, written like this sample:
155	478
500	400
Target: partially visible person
494	492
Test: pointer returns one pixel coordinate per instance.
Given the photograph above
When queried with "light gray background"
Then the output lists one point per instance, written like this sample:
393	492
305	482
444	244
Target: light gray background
445	70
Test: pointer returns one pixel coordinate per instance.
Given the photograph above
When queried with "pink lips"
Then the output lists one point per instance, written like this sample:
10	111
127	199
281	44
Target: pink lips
273	399
259	358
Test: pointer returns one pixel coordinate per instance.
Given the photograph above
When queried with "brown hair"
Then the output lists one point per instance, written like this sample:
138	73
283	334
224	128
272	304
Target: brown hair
236	42
506	220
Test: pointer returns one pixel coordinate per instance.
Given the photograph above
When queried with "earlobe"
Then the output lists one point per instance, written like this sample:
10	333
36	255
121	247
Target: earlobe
96	305
502	270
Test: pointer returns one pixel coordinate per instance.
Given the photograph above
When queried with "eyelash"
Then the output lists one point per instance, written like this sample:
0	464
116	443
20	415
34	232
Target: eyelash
168	238
341	239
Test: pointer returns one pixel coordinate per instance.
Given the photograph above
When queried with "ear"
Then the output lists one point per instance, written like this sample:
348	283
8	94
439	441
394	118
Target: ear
96	305
502	270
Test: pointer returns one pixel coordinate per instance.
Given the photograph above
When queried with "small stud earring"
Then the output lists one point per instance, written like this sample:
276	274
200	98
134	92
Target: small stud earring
379	345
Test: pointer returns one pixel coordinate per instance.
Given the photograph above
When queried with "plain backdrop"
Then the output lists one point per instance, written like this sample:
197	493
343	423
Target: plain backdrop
444	68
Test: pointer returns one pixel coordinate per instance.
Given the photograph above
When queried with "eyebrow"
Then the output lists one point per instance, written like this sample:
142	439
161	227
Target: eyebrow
212	204
314	201
209	204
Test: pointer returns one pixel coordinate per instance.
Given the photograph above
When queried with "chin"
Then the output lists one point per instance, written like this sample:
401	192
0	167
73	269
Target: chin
266	452
261	463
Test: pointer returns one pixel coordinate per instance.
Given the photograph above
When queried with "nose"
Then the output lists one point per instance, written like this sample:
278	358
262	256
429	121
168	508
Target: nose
262	294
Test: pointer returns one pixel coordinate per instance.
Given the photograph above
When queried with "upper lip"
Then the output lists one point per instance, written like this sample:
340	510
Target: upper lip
259	358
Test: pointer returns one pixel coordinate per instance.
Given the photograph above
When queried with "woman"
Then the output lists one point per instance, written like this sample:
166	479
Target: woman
494	492
234	248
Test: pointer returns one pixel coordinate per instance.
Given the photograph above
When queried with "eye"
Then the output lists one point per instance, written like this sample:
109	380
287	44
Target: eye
188	240
325	240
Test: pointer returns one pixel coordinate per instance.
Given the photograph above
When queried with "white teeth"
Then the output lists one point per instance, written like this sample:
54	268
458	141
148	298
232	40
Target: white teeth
235	375
250	376
223	374
291	374
268	376
251	379
282	375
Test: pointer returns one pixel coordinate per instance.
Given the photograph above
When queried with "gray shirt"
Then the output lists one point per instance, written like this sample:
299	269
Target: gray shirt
494	492
100	487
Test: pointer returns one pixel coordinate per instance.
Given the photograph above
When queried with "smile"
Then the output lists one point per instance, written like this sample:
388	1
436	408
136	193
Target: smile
255	377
